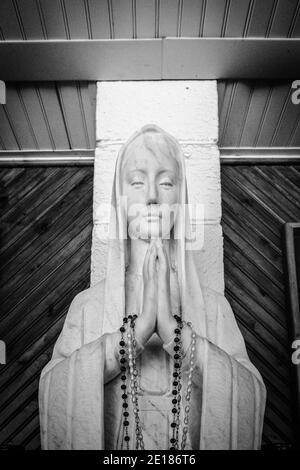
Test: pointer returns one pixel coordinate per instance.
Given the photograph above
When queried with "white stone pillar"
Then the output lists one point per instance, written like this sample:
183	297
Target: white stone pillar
189	111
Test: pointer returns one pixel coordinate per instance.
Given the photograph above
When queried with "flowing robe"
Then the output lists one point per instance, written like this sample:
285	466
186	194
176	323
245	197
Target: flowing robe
80	396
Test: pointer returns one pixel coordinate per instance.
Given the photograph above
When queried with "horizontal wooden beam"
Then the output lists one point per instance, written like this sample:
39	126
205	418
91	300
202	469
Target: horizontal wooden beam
260	155
150	59
227	58
228	156
47	158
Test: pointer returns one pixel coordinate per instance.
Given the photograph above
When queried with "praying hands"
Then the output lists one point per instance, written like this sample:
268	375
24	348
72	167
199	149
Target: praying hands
156	314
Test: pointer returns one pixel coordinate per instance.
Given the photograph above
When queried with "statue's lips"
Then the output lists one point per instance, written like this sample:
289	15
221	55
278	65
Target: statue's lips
153	217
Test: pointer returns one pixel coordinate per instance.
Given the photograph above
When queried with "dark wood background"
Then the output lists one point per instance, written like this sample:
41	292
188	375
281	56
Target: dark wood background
45	243
256	202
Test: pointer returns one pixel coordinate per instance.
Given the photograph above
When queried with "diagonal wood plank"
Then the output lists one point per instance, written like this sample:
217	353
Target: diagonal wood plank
256	202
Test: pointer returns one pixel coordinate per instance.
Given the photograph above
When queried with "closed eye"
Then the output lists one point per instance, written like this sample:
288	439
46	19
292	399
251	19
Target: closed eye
166	183
136	183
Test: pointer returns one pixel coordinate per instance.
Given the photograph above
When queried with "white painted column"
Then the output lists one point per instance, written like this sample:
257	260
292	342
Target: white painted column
189	111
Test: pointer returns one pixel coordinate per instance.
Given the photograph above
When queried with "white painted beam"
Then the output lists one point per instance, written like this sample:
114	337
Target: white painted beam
151	59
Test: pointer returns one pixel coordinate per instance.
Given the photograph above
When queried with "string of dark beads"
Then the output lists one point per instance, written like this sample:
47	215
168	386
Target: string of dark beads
176	383
128	354
124	390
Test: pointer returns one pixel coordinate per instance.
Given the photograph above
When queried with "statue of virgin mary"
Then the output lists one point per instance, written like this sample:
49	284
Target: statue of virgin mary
88	397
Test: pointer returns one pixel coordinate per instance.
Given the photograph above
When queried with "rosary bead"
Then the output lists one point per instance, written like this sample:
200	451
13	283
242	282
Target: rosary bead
176	348
177	331
122	360
172	440
122	343
172	448
174	401
123	377
174	392
123	387
176	365
176	356
174	410
123	368
122	329
124	396
126	414
125	405
127	438
173	425
176	340
122	351
175	374
175	383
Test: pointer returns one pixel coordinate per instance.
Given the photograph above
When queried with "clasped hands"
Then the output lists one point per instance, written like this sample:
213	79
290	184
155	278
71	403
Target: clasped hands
156	315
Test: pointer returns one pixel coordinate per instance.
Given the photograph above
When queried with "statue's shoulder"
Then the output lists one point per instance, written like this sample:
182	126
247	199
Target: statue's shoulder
93	294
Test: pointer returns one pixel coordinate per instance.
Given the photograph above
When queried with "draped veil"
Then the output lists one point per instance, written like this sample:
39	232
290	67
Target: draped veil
71	396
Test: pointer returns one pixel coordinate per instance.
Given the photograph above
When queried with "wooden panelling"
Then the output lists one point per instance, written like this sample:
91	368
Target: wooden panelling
45	243
215	15
258	113
109	19
48	116
256	202
146	19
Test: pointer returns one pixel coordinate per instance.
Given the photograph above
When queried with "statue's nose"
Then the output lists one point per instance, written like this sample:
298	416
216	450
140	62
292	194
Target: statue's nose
152	197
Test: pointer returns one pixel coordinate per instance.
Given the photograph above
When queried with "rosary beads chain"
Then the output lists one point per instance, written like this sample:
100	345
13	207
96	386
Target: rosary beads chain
177	385
189	388
122	352
133	382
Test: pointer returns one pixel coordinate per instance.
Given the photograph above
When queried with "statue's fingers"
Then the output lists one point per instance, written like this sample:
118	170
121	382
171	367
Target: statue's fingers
152	261
162	256
146	261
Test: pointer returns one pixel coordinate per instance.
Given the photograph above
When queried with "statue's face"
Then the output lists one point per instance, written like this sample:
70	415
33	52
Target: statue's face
151	184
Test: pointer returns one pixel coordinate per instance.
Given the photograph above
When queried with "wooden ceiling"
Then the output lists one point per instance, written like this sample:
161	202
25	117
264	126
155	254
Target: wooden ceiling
131	19
56	114
258	113
48	116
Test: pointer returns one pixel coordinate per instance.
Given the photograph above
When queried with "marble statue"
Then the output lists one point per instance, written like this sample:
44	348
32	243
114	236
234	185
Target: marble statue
150	273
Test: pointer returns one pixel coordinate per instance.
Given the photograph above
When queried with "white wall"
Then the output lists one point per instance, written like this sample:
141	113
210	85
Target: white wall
189	111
